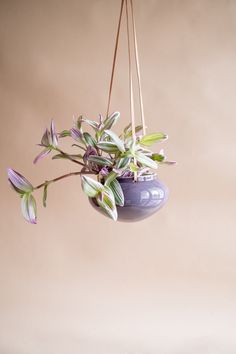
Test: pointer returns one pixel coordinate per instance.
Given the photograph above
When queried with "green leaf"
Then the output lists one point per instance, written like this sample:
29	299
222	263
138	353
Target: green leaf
106	201
119	143
112	175
158	157
108	146
89	139
45	194
91	187
99	160
145	160
115	187
64	133
133	167
149	139
127	128
111	120
123	162
78	122
117	192
138	128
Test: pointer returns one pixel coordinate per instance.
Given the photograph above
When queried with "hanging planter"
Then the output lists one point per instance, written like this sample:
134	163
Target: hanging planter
141	199
126	187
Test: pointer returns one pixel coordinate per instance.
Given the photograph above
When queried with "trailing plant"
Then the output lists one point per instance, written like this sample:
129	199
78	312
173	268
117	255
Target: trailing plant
103	154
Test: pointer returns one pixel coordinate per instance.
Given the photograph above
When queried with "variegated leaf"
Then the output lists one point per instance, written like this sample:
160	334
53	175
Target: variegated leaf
89	139
116	140
106	201
111	120
117	192
150	139
108	146
123	162
99	160
91	187
145	160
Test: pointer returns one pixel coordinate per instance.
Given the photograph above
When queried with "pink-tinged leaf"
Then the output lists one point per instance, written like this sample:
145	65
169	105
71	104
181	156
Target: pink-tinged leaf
170	162
17	190
89	152
54	139
19	182
45	141
42	154
28	208
76	134
104	171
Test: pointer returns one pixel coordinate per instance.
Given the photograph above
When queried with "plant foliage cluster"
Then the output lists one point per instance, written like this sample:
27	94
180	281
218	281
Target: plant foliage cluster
102	153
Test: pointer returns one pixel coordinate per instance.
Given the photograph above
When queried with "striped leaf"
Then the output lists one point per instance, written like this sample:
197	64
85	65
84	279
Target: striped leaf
107	146
123	162
91	187
64	133
99	160
28	208
150	139
117	192
116	140
91	123
112	175
89	139
145	160
111	120
138	128
106	201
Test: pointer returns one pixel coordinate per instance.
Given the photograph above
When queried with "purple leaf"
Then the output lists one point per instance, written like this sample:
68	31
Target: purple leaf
54	139
90	151
42	154
76	134
28	208
19	182
104	171
45	141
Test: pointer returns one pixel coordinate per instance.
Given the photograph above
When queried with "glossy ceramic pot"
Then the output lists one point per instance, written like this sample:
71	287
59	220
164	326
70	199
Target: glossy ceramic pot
142	198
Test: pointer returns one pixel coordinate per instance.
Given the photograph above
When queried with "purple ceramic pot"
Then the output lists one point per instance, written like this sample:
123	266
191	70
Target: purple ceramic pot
142	198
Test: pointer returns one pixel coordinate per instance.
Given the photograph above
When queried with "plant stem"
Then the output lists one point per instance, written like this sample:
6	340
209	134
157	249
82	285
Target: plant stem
61	177
79	146
69	158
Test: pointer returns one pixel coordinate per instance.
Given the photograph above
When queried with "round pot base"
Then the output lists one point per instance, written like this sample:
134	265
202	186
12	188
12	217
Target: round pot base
142	198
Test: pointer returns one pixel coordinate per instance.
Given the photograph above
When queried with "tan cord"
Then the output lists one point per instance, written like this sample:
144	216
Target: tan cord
130	76
138	67
114	58
131	86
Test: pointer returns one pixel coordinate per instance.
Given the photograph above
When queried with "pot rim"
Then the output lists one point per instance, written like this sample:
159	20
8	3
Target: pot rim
143	178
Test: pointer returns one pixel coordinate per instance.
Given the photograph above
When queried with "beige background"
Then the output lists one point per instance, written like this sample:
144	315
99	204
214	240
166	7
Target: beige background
77	282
